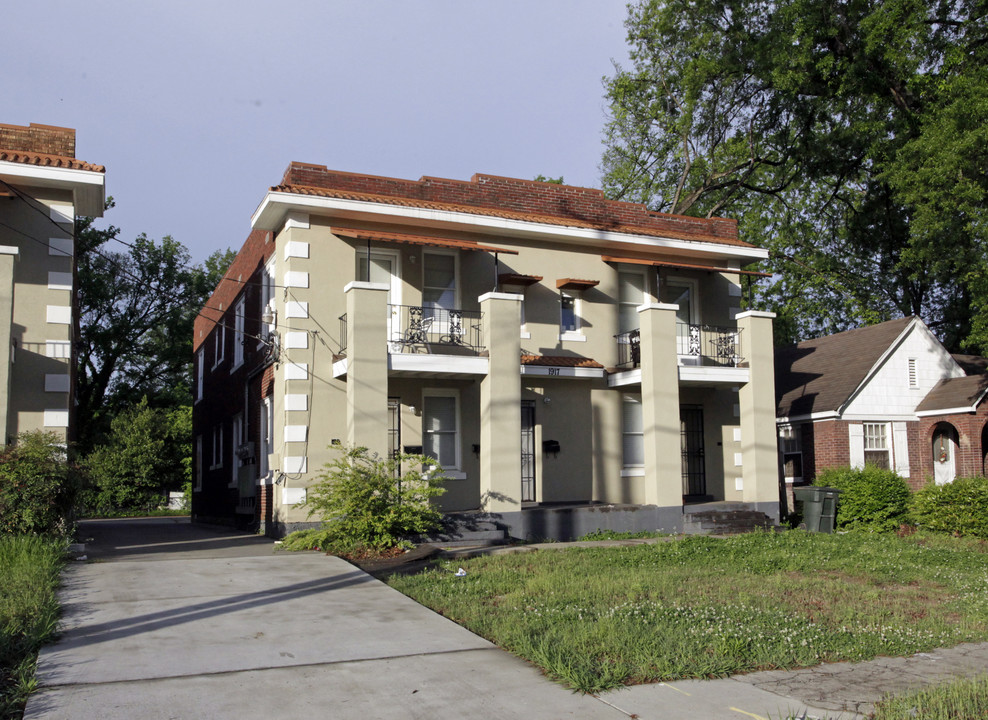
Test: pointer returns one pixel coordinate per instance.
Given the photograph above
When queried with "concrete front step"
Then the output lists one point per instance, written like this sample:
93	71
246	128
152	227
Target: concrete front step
463	529
725	522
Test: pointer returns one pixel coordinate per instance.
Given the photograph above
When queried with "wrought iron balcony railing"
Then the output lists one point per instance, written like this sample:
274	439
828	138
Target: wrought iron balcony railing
419	329
705	345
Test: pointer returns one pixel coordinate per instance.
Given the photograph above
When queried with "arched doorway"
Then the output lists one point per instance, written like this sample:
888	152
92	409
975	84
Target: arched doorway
984	450
944	453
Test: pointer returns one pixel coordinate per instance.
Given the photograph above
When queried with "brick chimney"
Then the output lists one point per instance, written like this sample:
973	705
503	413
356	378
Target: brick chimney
35	138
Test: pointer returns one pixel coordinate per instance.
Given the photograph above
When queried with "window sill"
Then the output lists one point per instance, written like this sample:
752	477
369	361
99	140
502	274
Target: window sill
236	367
526	335
572	336
633	472
454	475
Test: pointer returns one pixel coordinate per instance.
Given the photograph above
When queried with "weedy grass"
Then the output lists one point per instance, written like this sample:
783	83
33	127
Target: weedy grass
29	570
598	618
957	700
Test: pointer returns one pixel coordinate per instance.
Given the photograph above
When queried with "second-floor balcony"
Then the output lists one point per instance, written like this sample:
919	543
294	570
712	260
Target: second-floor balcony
697	345
433	330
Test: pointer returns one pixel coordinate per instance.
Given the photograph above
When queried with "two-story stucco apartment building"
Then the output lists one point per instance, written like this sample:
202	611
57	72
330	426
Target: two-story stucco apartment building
43	187
573	362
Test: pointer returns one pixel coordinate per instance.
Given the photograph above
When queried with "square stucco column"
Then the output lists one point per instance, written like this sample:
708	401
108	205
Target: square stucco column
759	451
500	408
367	366
7	257
660	405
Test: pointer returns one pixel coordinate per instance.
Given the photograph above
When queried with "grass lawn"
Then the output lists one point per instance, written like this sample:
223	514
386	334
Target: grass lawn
596	618
29	570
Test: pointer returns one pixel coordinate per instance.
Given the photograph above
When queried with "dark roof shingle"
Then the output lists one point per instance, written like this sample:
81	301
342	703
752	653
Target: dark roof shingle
820	375
951	393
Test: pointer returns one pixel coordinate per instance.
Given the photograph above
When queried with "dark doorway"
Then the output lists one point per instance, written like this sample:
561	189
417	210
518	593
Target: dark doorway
527	451
691	443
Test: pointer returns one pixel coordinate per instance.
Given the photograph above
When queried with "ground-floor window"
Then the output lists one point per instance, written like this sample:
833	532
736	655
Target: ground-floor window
791	449
440	428
632	432
876	446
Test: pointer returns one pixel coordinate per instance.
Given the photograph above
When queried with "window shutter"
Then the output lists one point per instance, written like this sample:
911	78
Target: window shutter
900	447
856	445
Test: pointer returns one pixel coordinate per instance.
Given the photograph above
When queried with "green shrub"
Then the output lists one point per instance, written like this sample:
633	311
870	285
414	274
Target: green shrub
363	501
38	487
959	507
871	499
148	452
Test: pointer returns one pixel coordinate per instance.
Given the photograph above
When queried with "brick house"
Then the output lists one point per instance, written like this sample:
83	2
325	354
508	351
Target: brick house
574	363
889	394
43	187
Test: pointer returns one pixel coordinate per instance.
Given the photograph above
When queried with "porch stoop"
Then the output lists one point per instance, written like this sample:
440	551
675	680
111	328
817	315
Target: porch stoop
468	529
724	519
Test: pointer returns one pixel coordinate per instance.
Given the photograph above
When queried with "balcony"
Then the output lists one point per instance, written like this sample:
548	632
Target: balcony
416	329
696	345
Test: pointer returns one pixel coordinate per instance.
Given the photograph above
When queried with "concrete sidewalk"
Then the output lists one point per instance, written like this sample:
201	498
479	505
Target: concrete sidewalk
181	621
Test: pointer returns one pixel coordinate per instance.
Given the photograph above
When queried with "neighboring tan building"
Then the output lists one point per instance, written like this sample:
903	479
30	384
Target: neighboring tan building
888	394
575	363
43	187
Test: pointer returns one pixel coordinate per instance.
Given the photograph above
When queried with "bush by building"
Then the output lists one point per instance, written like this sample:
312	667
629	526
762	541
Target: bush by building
871	499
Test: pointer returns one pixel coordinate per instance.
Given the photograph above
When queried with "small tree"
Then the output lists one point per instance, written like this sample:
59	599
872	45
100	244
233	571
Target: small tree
38	487
148	453
364	500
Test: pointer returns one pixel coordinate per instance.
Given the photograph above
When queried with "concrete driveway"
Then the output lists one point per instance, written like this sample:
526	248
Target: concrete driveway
172	620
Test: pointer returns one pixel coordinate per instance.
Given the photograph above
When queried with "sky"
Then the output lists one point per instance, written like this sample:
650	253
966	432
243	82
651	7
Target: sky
197	108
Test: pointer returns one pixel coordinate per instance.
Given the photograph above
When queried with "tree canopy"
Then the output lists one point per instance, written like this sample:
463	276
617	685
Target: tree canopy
136	311
849	138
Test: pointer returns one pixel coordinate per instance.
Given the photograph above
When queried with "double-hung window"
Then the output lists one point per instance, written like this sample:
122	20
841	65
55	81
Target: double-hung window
438	287
631	294
876	447
200	361
238	333
791	448
440	429
219	339
217	447
632	432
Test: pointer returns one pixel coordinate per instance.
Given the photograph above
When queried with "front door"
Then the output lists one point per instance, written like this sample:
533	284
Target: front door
944	456
527	451
382	268
691	444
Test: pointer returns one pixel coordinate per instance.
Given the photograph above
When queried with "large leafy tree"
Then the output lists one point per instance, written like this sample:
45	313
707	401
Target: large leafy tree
847	137
136	311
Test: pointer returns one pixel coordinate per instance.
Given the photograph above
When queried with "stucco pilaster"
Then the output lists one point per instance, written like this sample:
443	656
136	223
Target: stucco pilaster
660	405
759	450
6	319
367	366
500	405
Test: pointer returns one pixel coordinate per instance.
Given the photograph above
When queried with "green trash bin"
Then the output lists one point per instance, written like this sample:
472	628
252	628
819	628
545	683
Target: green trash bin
819	507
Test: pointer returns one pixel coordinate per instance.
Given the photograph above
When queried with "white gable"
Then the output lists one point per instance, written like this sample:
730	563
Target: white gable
886	393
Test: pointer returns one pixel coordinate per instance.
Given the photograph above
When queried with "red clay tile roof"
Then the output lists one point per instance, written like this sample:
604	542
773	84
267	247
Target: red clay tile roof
417	240
575	284
559	361
518	279
962	392
820	375
43	160
510	198
685	266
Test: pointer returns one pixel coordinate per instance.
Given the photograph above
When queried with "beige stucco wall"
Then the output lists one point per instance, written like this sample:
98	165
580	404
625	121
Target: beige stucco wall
30	326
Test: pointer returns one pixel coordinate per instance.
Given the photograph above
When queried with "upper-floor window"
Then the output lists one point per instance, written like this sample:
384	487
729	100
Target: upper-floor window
876	448
267	300
572	317
219	341
238	333
439	281
200	362
569	312
631	294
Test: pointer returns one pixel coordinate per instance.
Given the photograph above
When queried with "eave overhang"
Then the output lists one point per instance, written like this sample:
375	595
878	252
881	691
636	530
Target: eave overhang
88	187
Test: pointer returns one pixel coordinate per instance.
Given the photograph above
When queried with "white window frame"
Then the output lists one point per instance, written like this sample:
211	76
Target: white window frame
238	333
265	436
219	343
575	334
267	299
632	469
451	471
791	443
633	304
876	437
694	287
200	372
217	458
236	440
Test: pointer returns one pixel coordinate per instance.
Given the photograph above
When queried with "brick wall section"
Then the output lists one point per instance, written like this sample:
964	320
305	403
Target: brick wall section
970	427
830	447
525	196
46	139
